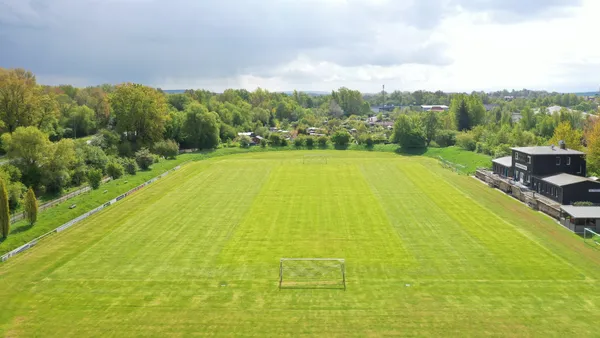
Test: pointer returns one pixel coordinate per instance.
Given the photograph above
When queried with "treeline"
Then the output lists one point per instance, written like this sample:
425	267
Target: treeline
57	137
470	126
510	100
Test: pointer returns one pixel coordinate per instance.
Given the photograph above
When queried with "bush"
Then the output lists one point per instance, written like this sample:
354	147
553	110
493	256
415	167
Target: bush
275	139
129	165
299	141
144	158
341	138
583	204
114	169
244	141
94	157
322	141
284	142
167	149
466	141
78	175
310	141
94	177
367	140
125	149
15	192
264	142
445	138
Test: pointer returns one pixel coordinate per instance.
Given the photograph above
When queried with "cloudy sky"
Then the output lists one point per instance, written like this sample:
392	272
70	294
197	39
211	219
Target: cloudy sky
451	45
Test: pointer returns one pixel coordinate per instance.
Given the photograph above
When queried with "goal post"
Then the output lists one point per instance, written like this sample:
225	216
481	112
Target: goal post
312	273
314	159
591	237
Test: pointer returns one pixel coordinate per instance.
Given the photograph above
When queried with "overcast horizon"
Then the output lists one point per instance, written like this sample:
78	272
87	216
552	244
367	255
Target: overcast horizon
308	45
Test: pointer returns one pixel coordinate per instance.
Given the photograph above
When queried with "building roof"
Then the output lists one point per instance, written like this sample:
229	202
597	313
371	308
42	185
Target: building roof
581	212
565	179
547	150
504	161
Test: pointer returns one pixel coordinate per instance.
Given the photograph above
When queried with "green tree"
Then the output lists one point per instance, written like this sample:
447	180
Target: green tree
476	110
19	99
82	121
335	110
114	169
322	141
341	138
130	165
94	177
166	148
144	158
140	113
201	127
62	157
571	137
460	110
28	148
408	132
244	141
31	206
430	126
528	119
4	210
299	141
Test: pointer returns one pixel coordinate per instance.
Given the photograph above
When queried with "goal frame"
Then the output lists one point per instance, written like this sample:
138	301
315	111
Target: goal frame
342	262
314	157
592	234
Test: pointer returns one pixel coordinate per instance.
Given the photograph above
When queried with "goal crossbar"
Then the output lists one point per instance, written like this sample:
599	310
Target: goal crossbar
304	271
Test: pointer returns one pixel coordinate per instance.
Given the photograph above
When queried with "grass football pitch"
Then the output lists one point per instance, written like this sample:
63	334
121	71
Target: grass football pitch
428	253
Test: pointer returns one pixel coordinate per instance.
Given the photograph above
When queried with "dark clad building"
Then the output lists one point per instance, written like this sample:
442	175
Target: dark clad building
555	172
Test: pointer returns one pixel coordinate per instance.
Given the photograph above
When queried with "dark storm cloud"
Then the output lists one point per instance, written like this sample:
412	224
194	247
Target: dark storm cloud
148	40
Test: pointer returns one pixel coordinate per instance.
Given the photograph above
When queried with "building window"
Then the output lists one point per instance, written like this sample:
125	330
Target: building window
516	156
569	160
528	159
557	160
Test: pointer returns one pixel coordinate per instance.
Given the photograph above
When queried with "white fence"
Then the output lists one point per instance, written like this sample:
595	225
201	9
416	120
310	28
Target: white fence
84	216
17	217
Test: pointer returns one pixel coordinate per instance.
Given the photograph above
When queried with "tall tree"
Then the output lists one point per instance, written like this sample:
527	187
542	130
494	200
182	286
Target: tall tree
564	132
4	210
19	99
476	110
592	138
408	132
430	126
31	206
335	110
201	127
460	109
29	149
140	113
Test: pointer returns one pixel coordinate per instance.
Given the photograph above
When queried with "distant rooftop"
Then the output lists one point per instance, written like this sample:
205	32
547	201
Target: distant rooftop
581	212
565	179
504	161
547	150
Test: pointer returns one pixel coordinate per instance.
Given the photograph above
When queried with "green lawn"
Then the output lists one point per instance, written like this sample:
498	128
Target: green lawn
477	262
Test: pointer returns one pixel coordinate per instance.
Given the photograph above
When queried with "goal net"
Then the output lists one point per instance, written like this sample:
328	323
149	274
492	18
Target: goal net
312	273
591	237
314	159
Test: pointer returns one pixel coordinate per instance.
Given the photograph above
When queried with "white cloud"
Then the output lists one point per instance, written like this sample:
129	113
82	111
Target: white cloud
454	45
